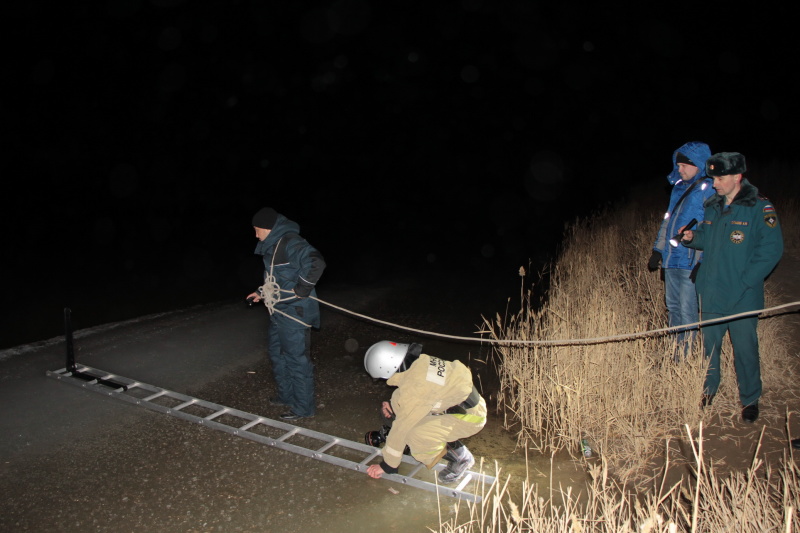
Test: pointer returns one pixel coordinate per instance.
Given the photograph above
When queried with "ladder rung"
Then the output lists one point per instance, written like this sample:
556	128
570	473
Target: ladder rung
415	470
185	404
221	412
331	444
154	396
464	482
372	456
288	434
251	424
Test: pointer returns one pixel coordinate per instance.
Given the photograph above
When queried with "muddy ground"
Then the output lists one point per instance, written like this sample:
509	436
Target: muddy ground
73	460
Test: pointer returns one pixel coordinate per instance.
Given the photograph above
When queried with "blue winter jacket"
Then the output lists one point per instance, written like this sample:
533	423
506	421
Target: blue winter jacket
297	266
679	214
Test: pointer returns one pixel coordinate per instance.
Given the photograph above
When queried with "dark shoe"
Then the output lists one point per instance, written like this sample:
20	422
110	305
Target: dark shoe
277	403
459	460
796	444
706	401
292	416
750	413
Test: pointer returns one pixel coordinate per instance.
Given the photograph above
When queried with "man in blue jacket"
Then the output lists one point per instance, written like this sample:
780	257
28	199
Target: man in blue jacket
292	269
742	243
690	188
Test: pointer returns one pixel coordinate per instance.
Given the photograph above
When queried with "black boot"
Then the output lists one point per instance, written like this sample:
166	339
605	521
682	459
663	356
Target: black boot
706	401
750	413
459	460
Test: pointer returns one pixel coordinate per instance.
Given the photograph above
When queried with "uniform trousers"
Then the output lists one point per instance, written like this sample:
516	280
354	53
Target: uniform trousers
744	339
428	438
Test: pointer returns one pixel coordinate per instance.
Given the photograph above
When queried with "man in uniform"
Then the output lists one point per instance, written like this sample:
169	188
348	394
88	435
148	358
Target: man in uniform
742	243
435	404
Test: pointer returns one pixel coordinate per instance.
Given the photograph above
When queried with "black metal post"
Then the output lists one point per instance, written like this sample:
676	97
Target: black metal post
68	335
71	358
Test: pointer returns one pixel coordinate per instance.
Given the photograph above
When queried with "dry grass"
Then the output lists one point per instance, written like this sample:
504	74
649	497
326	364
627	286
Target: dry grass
621	395
761	499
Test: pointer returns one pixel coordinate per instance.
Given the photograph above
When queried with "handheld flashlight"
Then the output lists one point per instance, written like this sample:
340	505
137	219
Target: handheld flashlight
677	238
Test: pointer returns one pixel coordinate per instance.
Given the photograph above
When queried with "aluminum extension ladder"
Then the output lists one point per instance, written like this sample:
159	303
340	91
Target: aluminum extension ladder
334	450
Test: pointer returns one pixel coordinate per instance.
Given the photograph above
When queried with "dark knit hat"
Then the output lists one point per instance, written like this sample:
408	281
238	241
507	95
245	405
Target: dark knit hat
725	164
680	158
265	218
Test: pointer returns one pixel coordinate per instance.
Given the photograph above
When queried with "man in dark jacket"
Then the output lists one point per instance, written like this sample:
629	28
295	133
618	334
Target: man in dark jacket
742	243
690	188
292	269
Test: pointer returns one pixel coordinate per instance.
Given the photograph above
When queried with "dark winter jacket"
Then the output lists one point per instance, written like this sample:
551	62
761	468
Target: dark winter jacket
680	212
296	266
742	244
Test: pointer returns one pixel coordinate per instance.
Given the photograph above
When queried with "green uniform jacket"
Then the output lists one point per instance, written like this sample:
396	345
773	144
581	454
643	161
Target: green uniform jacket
430	385
741	246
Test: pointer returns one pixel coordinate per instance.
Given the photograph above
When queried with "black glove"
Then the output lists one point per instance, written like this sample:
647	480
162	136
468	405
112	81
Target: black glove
302	291
693	273
655	260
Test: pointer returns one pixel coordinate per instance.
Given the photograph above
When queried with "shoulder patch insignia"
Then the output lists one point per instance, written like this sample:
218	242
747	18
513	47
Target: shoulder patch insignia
769	209
737	237
771	220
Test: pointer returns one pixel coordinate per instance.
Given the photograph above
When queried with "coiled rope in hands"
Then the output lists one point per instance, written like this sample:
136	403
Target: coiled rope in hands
272	289
270	293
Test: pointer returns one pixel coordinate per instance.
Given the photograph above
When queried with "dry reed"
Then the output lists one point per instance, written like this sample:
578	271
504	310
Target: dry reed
761	499
619	395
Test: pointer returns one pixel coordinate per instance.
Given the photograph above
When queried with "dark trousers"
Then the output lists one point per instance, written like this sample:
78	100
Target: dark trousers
744	339
289	345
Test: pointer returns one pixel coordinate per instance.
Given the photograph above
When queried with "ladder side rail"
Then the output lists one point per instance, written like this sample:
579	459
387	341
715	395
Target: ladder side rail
431	487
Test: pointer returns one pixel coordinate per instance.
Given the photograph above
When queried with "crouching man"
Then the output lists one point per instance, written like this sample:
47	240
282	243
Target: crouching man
435	404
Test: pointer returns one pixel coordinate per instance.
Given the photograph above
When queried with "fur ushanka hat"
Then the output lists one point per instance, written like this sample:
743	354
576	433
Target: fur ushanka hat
725	164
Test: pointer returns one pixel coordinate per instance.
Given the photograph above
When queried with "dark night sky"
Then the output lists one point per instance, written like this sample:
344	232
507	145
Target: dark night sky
402	136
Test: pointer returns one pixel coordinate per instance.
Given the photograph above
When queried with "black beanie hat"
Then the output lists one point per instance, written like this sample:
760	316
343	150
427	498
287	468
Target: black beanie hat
726	164
265	218
680	158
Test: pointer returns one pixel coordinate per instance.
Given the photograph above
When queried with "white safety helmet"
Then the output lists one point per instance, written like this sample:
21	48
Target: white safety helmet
385	357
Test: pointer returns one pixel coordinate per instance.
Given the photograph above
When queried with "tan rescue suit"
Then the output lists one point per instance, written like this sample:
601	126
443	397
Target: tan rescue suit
424	392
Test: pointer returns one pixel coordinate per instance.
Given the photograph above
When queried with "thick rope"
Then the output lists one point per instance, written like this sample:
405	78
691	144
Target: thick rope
270	294
569	342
